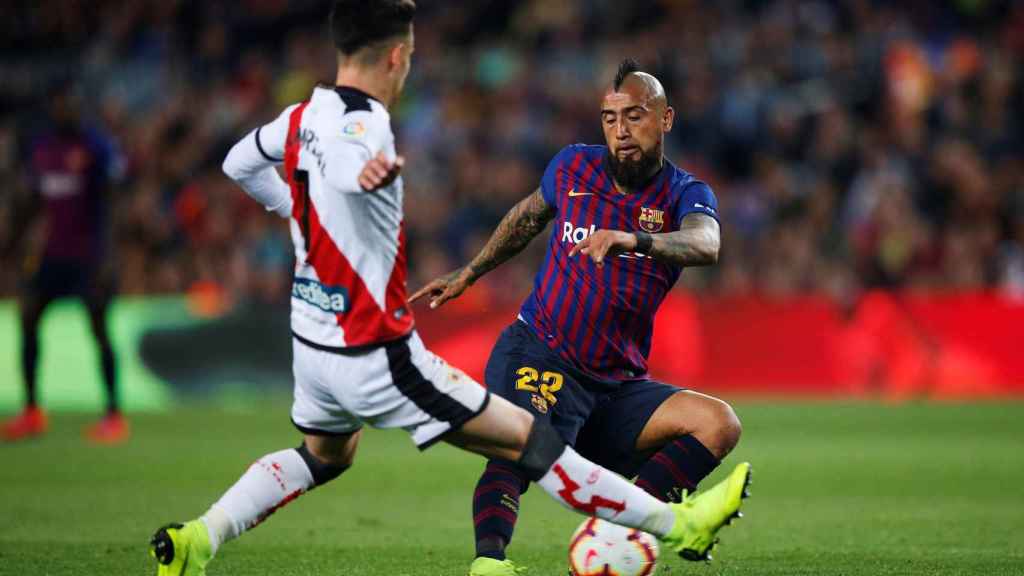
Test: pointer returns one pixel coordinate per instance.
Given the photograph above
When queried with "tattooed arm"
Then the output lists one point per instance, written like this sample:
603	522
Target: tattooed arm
524	221
696	243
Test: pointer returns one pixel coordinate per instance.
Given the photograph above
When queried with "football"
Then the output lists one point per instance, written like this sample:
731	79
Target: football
600	548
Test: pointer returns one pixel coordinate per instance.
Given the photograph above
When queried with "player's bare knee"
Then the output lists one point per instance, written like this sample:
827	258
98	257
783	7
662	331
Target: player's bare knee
727	427
714	423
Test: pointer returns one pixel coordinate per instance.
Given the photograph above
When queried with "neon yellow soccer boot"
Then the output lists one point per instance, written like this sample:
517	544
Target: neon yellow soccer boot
484	566
181	549
700	517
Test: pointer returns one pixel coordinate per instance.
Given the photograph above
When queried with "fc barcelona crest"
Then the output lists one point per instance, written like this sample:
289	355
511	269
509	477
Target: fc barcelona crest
539	403
651	220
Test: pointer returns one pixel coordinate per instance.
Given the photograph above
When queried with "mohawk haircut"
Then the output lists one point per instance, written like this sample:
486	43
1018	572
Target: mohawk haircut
357	24
626	67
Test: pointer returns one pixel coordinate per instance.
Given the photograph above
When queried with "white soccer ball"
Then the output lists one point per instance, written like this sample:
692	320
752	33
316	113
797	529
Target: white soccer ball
600	548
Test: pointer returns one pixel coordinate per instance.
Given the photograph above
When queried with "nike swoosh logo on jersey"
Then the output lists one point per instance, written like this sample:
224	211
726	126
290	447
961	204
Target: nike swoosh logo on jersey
573	193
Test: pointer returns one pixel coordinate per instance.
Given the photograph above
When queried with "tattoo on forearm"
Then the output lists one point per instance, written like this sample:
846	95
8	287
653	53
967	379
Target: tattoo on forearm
524	221
696	242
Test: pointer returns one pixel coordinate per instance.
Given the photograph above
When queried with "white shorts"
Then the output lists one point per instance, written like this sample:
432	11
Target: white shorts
396	385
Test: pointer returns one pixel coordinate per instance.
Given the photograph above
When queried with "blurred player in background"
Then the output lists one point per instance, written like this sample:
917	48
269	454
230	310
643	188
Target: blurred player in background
357	358
70	170
577	355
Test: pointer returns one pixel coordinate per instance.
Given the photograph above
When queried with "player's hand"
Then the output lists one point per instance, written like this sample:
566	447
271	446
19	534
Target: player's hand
445	288
379	172
604	243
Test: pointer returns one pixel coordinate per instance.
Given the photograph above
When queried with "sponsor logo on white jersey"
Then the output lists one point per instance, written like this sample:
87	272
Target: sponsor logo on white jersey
327	298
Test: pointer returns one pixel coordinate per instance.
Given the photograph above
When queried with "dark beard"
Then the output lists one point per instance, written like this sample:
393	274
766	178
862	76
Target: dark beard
630	174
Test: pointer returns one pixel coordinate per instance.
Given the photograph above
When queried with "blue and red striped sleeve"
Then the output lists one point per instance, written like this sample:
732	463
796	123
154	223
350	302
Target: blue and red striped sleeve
696	197
548	186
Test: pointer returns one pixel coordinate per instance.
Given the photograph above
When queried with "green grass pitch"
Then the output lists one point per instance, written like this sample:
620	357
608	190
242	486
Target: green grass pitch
838	489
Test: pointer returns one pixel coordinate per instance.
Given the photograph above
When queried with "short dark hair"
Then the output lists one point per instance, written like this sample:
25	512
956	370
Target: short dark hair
356	24
626	67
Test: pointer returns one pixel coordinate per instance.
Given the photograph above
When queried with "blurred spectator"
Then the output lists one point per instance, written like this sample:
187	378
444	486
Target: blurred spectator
852	144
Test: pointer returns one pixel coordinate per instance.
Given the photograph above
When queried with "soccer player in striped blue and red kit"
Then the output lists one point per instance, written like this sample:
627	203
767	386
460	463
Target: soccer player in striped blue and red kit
626	223
70	168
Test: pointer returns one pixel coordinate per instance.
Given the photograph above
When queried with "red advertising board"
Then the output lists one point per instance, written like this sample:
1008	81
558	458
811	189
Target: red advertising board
891	345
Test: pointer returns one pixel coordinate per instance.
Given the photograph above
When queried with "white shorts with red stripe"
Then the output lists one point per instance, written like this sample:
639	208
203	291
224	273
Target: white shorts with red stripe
400	384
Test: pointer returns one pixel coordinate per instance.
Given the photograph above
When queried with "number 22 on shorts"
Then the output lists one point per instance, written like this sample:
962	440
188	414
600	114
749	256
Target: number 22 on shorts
550	382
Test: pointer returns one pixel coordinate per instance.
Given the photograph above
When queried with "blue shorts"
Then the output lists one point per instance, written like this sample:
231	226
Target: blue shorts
601	423
58	278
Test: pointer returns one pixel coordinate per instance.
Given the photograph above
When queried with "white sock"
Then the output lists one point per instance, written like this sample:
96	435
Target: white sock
589	489
219	527
271	482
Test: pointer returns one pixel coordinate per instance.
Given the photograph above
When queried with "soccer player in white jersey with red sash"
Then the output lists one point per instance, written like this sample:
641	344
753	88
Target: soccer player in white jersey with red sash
357	358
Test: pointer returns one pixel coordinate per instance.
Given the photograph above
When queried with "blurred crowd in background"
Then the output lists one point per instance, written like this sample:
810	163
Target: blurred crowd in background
852	144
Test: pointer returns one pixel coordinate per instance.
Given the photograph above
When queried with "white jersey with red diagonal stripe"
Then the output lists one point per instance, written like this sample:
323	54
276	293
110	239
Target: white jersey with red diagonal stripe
349	287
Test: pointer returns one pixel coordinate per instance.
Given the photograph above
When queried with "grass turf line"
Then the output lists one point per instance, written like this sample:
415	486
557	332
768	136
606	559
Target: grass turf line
844	489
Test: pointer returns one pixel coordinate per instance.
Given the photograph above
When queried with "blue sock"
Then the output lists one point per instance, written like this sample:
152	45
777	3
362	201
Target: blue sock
679	465
496	507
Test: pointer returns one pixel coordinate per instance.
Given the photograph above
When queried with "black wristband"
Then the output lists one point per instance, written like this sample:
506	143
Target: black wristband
644	242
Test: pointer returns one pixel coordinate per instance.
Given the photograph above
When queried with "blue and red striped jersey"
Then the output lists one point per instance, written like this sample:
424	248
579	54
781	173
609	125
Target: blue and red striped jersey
601	319
70	172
